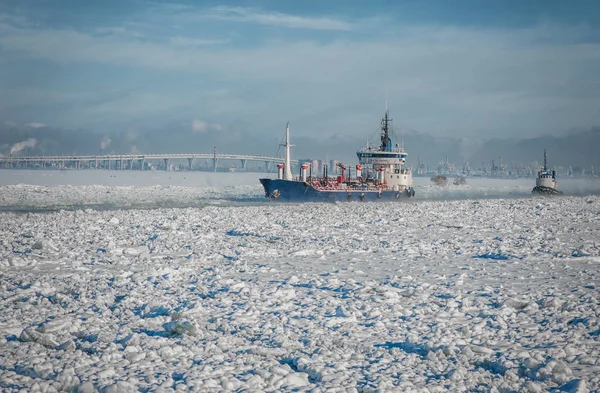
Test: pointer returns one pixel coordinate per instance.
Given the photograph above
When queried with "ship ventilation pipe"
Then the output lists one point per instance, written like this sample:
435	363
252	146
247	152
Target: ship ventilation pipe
358	171
303	168
381	174
280	171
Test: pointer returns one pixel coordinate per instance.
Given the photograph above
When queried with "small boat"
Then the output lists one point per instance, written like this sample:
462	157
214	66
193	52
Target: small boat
546	183
384	176
459	180
439	180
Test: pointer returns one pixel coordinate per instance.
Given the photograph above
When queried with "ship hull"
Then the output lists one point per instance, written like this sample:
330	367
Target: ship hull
298	191
545	190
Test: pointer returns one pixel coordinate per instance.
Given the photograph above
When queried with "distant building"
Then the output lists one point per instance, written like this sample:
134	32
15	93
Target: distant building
316	167
333	167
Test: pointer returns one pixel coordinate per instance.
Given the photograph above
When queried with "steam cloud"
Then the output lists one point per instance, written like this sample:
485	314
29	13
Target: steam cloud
17	147
202	126
105	142
35	125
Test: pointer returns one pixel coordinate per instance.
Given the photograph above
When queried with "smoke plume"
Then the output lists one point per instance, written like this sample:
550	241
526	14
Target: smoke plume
17	147
105	142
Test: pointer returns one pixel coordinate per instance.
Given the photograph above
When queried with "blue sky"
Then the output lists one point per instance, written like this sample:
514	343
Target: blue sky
452	68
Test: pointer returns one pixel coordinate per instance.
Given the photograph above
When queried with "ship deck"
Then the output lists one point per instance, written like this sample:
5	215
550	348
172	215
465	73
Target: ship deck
331	185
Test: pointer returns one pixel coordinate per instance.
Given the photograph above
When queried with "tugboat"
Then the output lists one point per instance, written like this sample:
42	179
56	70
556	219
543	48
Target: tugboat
459	180
384	177
439	180
545	183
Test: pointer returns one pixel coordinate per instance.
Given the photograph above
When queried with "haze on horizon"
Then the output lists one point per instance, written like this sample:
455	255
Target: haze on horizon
143	72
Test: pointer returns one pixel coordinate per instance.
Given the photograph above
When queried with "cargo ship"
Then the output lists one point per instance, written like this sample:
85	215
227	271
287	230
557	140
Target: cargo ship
380	175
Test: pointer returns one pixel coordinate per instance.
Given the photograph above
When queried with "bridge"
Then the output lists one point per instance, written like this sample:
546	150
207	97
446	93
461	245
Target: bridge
131	161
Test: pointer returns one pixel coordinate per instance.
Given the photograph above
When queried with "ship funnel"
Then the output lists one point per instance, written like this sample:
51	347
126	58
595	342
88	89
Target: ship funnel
280	171
358	171
304	169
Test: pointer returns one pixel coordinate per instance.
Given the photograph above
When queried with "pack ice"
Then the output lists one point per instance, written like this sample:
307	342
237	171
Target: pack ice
491	295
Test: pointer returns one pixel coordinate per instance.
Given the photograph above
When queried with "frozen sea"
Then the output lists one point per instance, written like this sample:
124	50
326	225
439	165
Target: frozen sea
122	281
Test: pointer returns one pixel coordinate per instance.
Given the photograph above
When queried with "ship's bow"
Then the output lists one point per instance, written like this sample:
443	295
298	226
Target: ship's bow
266	183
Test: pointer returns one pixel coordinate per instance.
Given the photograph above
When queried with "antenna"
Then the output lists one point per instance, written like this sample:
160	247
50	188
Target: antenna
386	99
385	122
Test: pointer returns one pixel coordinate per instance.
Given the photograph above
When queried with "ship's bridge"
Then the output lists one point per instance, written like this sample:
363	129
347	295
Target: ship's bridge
546	174
371	156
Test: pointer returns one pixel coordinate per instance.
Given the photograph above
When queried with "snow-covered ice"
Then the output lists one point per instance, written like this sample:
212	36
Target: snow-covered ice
491	290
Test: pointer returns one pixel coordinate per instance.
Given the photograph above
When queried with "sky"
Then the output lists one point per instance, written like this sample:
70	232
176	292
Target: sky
477	69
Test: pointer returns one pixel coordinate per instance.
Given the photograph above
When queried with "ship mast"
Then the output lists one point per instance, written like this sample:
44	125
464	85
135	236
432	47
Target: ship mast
385	131
545	160
288	171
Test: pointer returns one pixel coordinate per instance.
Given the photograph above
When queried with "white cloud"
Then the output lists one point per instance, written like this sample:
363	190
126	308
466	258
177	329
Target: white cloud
199	126
420	52
187	42
105	142
35	125
120	32
202	126
242	14
442	79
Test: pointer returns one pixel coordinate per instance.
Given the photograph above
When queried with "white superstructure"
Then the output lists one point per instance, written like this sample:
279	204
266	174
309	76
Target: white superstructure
546	183
545	177
386	163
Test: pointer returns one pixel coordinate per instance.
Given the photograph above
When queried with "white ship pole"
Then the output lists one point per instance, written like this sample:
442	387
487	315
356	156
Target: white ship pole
288	170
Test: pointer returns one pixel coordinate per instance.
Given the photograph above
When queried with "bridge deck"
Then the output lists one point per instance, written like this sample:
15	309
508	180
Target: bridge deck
144	156
9	161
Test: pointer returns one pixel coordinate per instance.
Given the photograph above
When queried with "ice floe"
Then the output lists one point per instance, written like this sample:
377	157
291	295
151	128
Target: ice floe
492	294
